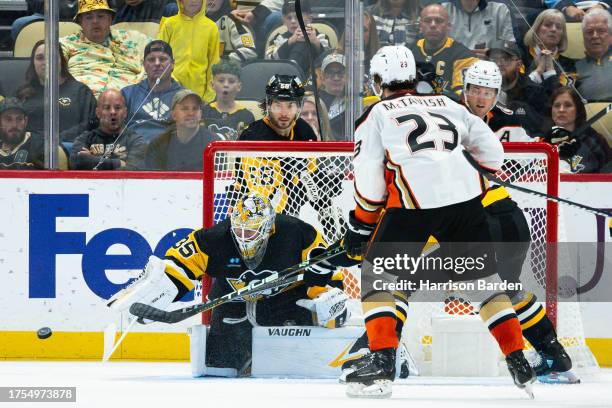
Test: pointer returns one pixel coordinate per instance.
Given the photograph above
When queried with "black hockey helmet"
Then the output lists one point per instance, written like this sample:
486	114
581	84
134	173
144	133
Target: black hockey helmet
285	88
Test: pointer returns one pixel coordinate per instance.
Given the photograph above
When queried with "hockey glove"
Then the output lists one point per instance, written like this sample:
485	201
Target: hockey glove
357	235
329	306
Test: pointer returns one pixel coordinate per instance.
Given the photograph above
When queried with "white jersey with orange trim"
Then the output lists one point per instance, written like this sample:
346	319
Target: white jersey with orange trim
506	125
408	154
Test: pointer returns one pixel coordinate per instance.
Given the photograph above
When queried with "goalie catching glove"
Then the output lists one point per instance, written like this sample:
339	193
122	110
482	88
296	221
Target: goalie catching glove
152	287
357	235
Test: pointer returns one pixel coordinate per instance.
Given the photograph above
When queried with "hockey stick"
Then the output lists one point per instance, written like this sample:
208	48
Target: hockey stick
487	174
592	120
313	73
284	277
109	338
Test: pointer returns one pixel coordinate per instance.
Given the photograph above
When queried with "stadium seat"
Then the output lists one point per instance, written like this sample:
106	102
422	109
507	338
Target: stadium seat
147	27
13	74
255	76
253	107
320	27
575	44
35	31
604	125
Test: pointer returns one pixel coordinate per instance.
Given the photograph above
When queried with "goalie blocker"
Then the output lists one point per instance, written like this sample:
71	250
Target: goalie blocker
247	248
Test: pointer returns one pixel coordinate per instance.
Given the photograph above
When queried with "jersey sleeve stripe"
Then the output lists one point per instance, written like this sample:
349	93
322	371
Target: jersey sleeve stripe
404	194
188	272
369	217
367	205
179	275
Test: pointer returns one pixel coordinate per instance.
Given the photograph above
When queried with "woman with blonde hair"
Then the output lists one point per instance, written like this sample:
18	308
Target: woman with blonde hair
309	114
545	41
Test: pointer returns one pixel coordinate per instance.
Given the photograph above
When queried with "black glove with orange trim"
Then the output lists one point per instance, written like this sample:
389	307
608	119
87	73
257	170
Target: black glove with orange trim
357	235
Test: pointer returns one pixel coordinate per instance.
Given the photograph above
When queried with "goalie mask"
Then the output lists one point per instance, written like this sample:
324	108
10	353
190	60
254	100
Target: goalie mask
252	221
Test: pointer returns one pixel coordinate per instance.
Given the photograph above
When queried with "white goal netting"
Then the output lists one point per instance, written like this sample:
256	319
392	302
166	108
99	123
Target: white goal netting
313	181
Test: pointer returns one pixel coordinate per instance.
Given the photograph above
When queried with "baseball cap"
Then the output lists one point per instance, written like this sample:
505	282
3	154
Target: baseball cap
158	45
182	94
331	58
289	7
11	103
509	47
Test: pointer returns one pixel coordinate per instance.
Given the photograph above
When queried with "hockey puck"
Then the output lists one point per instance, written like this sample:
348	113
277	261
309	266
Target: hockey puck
44	333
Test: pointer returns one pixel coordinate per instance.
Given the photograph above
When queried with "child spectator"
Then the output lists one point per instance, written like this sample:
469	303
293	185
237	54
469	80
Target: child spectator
194	38
291	44
225	116
236	39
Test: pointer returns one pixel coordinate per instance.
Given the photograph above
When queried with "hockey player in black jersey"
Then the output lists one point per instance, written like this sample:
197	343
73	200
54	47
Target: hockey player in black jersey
282	107
249	245
507	224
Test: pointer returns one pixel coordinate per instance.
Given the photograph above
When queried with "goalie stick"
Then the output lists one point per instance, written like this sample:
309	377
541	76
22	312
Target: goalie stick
284	277
491	177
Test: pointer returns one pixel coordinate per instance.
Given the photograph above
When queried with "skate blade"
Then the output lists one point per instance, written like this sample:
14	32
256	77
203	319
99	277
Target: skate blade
380	389
529	390
566	377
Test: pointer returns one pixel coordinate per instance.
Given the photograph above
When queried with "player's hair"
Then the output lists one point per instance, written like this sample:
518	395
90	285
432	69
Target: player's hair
581	115
227	67
531	39
395	86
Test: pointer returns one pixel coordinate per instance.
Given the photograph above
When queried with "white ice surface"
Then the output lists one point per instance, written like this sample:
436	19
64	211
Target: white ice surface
131	385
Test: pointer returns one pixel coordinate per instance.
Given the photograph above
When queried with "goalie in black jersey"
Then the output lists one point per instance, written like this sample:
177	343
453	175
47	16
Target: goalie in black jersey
250	245
507	224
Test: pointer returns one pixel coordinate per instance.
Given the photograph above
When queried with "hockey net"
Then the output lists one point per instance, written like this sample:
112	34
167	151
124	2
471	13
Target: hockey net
313	181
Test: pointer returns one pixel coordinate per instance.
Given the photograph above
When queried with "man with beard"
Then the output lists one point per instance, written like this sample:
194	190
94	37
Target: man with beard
282	106
19	150
109	146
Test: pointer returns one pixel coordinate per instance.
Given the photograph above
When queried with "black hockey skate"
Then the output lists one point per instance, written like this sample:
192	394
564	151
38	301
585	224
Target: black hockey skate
553	364
372	375
405	361
521	372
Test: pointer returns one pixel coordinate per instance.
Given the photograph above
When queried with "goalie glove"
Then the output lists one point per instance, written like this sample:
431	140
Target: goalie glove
152	287
357	235
330	307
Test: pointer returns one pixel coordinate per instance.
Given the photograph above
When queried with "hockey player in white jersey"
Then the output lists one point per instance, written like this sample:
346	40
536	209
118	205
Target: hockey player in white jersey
481	88
412	181
507	223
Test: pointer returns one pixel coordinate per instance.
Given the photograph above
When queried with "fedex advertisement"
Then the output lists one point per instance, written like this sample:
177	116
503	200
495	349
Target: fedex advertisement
67	244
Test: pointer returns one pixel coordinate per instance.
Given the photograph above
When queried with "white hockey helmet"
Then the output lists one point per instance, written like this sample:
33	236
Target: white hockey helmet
483	73
393	63
252	221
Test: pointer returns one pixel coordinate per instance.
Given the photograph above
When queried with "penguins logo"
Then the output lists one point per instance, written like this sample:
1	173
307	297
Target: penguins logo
250	276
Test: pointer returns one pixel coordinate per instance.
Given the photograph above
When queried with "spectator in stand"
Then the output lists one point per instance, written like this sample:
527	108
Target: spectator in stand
595	69
370	46
144	10
193	64
478	23
309	114
124	153
19	149
264	17
225	116
236	39
67	10
396	21
520	93
77	105
333	75
448	57
291	44
100	57
576	10
182	146
545	41
586	152
149	117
